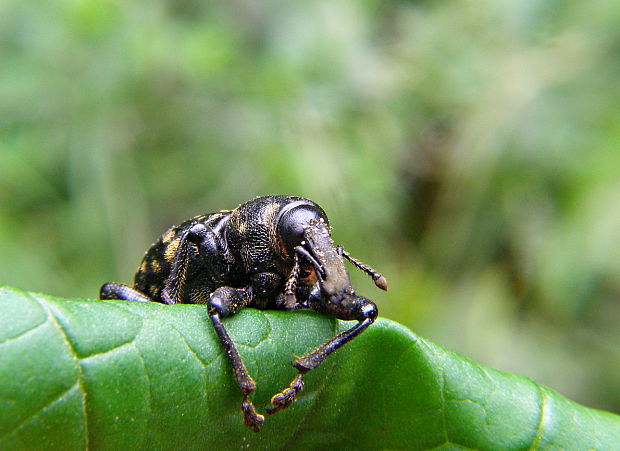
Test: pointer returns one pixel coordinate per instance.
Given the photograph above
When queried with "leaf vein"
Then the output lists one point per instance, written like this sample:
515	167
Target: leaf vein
541	422
22	334
108	351
186	343
80	377
41	410
149	402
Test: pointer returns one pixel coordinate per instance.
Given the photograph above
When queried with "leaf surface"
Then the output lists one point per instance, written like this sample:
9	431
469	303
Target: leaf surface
78	374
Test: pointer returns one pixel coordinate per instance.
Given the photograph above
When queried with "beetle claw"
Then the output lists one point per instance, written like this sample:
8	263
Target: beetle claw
251	417
286	397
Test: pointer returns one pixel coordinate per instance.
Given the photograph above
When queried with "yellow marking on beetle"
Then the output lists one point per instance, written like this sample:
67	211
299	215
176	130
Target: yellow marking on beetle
168	236
142	266
270	213
155	266
171	249
272	209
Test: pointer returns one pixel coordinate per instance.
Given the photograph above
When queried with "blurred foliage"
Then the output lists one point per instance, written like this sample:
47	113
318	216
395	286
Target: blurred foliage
468	150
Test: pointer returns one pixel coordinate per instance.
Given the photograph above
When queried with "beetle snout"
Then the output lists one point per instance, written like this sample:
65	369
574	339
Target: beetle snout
345	305
324	293
357	307
366	308
334	289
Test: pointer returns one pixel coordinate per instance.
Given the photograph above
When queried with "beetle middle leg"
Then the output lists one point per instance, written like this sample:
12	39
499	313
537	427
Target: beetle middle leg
224	302
365	312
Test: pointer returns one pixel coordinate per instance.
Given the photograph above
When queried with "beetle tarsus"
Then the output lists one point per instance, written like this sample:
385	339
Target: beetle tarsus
251	418
286	397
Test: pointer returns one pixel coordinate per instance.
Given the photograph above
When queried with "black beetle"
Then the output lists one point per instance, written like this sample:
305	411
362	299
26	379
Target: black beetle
272	252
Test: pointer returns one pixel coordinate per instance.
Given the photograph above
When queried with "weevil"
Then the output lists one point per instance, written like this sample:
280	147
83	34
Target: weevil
272	252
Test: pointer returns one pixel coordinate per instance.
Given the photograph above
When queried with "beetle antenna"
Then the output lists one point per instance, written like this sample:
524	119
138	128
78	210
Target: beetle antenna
319	270
377	278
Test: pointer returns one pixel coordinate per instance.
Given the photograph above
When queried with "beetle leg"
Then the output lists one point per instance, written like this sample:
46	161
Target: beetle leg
213	250
366	313
120	291
377	278
223	302
320	271
265	285
214	257
290	300
173	289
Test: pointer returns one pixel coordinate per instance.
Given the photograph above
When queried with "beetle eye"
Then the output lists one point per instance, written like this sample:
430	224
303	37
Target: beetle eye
293	223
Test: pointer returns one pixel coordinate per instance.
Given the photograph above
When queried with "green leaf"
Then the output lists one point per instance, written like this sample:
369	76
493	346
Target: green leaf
122	375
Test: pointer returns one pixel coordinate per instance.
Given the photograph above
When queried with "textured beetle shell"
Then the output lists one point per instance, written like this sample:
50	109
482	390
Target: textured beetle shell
250	233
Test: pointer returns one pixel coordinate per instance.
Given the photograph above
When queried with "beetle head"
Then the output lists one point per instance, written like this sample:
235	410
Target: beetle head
333	291
303	229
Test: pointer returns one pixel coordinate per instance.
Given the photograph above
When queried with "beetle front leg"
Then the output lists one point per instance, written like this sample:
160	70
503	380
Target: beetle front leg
365	312
210	248
290	300
223	302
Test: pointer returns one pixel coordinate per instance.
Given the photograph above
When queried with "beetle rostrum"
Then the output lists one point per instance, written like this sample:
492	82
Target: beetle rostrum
272	252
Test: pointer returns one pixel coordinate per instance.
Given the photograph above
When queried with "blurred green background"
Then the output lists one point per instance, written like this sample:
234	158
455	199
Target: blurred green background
470	151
